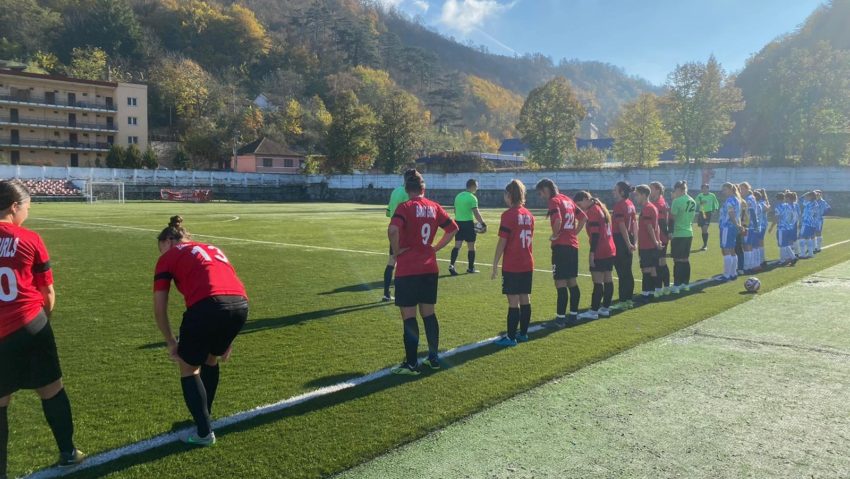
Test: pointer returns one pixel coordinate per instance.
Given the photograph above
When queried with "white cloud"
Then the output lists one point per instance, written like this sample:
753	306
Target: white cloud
422	5
468	15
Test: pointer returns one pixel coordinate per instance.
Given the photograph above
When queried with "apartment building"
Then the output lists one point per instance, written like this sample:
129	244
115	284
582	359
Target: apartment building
48	120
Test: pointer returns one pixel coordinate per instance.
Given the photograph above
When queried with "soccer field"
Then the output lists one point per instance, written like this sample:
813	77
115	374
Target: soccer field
313	272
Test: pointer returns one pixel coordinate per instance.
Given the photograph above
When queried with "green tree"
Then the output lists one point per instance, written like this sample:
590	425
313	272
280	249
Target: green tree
115	157
549	121
292	120
149	159
109	25
182	86
445	103
639	132
206	143
351	144
26	27
181	159
399	133
88	63
132	158
317	123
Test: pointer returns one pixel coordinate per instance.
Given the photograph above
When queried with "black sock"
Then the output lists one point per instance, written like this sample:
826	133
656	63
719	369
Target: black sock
686	273
513	322
524	318
455	252
677	273
470	255
411	341
195	397
575	296
663	275
563	296
705	240
596	297
432	333
388	278
608	294
209	376
4	438
57	411
647	283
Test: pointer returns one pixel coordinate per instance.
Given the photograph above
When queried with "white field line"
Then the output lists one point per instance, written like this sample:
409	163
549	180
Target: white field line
169	438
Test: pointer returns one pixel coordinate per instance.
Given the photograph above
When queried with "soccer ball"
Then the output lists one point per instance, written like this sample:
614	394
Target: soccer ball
480	228
752	285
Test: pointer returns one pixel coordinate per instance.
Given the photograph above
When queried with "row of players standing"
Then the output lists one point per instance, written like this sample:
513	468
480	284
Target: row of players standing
613	241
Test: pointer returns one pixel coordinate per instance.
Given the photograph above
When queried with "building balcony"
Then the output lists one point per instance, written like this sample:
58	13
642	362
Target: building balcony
24	144
6	99
58	124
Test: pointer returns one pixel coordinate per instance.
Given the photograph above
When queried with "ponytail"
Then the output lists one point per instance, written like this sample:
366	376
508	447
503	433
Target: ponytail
516	192
174	231
585	196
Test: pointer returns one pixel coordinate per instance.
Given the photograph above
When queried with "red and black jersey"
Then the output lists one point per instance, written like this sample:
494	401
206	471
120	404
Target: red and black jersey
199	271
599	232
517	227
417	221
648	220
624	213
562	207
24	268
663	217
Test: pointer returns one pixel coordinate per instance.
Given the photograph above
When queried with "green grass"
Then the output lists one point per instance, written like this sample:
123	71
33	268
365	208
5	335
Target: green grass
314	321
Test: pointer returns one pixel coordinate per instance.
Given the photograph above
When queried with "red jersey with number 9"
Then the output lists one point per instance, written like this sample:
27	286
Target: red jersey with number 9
199	271
417	221
562	206
24	268
517	227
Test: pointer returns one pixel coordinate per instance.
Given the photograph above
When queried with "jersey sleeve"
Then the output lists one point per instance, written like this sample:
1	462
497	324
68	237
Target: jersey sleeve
398	219
42	273
162	274
552	212
504	227
580	214
444	220
619	215
474	202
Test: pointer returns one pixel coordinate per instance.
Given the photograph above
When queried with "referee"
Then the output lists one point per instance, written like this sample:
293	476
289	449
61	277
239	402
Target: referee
707	204
466	214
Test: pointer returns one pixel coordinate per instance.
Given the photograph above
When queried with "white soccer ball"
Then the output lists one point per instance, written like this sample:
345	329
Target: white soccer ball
752	285
480	228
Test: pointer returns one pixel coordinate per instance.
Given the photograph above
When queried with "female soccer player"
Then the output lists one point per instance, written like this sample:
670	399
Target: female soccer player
764	209
707	204
216	310
751	236
567	222
649	242
810	225
516	231
683	212
823	210
785	219
657	198
411	233
603	253
28	357
730	228
625	233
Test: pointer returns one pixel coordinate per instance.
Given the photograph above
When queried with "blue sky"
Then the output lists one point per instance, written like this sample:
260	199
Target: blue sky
647	38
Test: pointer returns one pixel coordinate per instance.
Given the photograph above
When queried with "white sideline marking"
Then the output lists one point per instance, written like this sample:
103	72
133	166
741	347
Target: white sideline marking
169	438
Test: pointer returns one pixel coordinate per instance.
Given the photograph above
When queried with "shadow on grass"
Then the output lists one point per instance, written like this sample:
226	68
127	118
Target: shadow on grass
332	379
362	287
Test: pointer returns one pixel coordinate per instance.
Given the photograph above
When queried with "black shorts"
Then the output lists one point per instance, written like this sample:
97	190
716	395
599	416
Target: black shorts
210	326
411	291
564	262
605	265
517	283
704	219
649	258
662	253
681	248
28	357
623	251
466	231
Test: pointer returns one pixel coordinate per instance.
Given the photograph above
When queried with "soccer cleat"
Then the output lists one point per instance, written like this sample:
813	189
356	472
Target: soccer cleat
505	341
560	322
685	288
433	363
405	369
657	294
589	315
452	270
666	291
472	271
604	312
387	298
704	248
675	289
71	459
521	338
195	440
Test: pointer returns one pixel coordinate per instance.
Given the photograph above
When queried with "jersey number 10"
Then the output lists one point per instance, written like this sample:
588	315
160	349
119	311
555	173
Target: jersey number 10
8	279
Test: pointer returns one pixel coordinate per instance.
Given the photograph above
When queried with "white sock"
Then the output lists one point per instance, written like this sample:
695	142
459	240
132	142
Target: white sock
819	241
782	255
811	247
727	266
789	253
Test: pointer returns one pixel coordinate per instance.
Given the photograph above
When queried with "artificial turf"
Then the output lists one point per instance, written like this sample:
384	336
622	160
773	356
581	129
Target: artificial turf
315	320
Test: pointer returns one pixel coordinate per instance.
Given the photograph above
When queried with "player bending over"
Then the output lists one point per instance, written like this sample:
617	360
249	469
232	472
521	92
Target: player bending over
397	197
649	242
730	228
603	253
216	310
516	231
625	233
683	211
567	222
706	206
466	214
411	233
657	198
28	357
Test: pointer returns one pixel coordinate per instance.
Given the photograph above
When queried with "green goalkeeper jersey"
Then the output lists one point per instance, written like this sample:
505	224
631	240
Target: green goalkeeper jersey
684	208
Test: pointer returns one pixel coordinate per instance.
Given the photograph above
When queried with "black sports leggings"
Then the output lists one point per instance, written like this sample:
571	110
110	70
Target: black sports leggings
623	265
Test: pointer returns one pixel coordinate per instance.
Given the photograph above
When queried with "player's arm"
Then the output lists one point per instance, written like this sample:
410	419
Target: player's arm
478	217
449	231
500	250
582	220
48	294
730	211
624	232
160	311
393	235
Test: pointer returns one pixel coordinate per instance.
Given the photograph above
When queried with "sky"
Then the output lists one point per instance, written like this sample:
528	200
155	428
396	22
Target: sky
647	38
